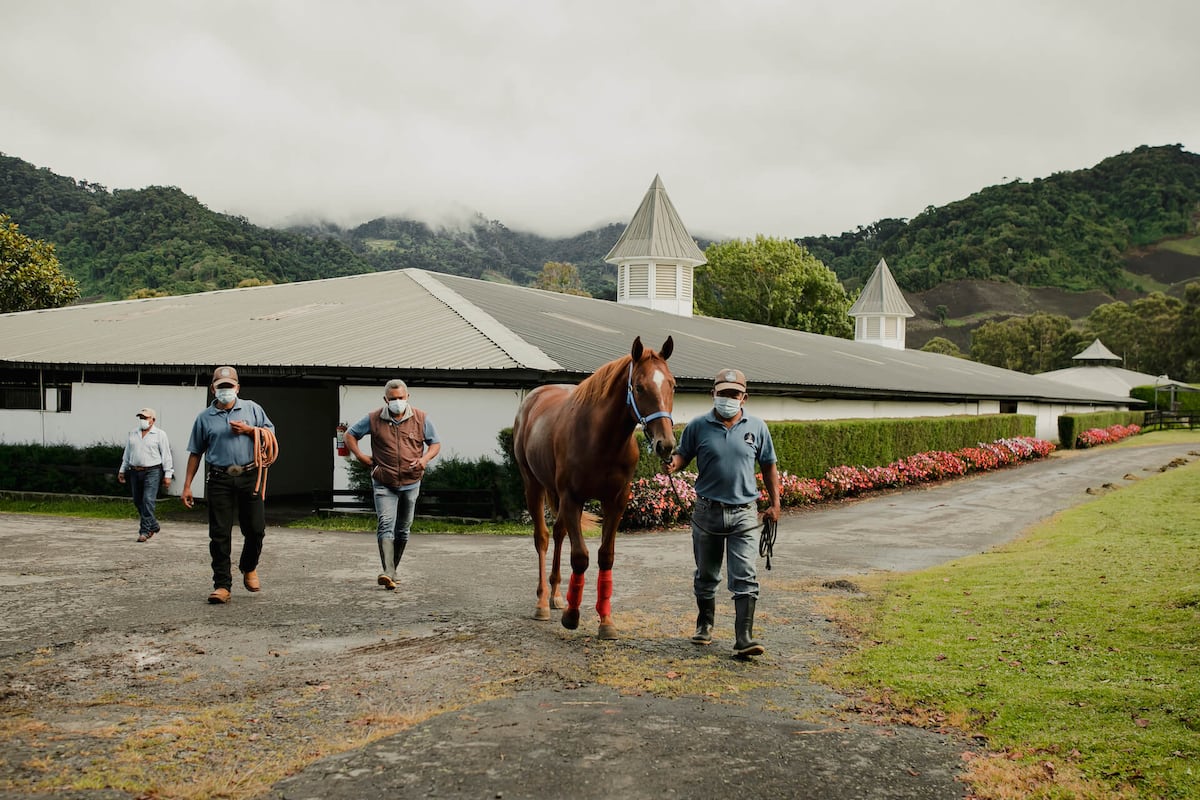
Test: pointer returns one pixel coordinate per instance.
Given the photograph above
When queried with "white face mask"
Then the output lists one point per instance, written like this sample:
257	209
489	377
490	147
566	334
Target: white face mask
727	407
226	396
144	424
397	407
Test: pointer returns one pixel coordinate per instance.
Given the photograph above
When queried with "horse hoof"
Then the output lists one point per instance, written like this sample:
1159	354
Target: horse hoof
558	603
608	631
541	613
570	619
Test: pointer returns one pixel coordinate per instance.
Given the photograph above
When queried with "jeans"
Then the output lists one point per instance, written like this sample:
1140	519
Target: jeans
719	532
144	485
233	499
395	509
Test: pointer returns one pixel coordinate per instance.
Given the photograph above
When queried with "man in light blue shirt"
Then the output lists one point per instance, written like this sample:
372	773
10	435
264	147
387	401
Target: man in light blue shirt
147	461
727	443
224	434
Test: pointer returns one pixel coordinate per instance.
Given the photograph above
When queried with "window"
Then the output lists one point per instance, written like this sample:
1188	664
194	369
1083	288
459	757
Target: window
20	397
664	280
872	327
889	327
1008	406
621	280
638	280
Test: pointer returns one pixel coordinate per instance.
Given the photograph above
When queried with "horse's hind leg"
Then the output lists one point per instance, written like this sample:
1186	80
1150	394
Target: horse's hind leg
535	502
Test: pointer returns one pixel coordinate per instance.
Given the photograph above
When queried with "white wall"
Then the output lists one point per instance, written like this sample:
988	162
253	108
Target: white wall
105	414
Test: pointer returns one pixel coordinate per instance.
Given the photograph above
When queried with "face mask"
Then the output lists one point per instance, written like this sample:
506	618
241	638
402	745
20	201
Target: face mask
727	407
226	396
397	407
144	424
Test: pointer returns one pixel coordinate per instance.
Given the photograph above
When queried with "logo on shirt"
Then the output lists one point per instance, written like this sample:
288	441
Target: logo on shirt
749	439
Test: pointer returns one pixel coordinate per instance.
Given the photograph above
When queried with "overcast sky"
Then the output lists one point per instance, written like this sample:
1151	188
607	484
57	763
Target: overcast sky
791	118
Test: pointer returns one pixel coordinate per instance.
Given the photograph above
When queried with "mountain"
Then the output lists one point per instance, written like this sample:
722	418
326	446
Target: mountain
1072	230
1073	240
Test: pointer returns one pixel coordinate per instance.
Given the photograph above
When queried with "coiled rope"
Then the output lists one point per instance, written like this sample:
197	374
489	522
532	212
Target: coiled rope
766	542
266	450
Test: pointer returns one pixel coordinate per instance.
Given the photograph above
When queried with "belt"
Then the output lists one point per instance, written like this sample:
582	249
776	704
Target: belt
143	469
233	471
719	504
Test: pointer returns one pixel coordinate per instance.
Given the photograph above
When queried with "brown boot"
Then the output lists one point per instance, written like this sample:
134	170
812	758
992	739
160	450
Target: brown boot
250	581
219	596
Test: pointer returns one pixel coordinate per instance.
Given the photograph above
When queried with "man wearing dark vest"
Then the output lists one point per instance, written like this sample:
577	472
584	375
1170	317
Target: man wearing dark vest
403	442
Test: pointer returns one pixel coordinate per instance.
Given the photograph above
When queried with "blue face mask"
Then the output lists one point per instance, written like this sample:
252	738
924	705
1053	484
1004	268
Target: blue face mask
727	407
226	396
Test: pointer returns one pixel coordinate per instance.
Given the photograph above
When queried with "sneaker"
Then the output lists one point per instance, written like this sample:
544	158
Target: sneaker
386	582
142	537
219	596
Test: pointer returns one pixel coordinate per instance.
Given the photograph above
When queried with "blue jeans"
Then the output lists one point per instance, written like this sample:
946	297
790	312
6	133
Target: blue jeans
395	509
144	485
725	531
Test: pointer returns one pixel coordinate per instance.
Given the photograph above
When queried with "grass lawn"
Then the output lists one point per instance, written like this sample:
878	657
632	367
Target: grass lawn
1075	650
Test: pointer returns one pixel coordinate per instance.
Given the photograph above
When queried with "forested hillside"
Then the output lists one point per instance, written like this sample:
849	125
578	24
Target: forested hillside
1071	230
157	239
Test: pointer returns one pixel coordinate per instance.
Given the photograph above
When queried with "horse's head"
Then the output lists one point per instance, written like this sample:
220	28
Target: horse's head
651	394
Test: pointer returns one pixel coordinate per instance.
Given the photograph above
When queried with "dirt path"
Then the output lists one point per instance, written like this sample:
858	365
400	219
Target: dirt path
119	681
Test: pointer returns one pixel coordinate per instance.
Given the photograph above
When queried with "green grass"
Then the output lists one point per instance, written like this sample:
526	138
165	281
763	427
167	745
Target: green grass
93	507
1190	246
1078	645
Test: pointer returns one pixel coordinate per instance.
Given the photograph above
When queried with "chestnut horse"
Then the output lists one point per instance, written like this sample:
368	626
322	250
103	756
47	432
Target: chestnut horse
576	443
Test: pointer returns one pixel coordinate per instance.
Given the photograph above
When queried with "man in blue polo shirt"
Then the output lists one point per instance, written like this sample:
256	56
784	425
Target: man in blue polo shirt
727	443
223	434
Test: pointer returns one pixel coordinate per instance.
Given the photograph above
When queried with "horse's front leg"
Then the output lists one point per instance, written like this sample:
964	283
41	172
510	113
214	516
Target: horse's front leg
605	558
569	524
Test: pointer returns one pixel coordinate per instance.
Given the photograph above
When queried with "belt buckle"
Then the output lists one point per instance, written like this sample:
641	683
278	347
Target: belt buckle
235	470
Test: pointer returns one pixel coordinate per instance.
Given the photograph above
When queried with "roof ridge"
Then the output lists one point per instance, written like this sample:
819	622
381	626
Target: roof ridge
516	348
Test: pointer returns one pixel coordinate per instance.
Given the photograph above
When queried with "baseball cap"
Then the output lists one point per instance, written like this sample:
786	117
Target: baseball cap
148	413
224	375
729	379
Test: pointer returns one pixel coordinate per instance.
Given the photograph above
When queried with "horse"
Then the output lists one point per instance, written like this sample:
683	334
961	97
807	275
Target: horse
576	443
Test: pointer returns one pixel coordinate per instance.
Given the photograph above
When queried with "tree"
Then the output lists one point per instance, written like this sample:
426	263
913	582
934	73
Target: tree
772	282
562	278
30	275
943	346
1034	344
1145	333
1189	333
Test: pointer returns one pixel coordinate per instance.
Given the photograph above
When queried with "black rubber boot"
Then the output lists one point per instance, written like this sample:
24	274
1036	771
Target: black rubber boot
743	627
399	553
704	620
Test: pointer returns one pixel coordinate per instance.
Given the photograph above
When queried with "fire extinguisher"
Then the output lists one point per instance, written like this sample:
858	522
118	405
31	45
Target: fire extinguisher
342	449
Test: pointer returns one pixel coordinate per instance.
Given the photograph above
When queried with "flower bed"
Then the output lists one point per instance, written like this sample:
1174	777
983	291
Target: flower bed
1098	436
653	503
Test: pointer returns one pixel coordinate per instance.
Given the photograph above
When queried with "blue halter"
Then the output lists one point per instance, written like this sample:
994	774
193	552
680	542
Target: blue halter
629	401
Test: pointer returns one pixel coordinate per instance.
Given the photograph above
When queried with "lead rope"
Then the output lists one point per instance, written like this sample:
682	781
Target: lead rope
766	542
266	450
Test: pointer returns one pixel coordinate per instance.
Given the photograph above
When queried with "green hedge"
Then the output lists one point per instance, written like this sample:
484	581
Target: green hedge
1071	425
811	448
62	468
1189	402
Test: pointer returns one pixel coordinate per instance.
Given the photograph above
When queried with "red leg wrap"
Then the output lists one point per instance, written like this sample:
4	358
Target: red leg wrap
575	591
604	593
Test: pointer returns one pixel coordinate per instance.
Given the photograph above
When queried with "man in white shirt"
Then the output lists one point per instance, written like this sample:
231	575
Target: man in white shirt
147	460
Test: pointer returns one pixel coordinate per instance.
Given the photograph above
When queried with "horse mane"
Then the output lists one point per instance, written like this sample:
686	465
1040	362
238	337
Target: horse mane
597	385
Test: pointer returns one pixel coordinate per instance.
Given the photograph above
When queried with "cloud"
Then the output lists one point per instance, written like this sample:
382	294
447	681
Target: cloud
762	117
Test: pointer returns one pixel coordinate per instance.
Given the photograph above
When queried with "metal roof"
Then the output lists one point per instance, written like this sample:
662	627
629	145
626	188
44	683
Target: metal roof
881	295
656	231
411	320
